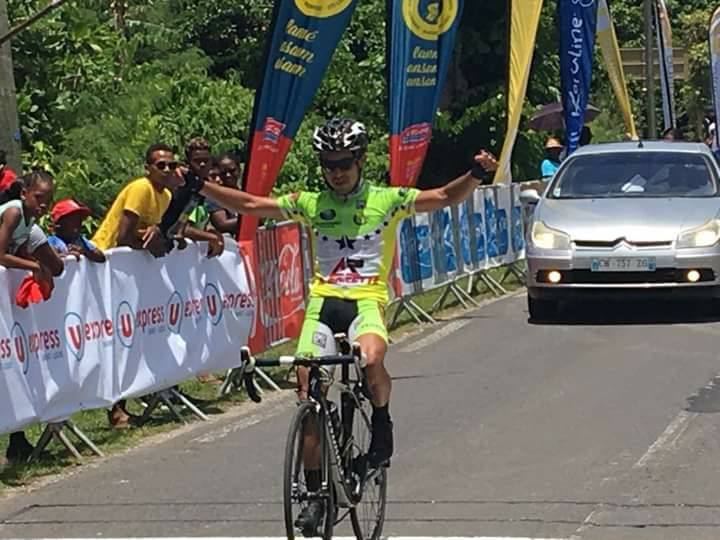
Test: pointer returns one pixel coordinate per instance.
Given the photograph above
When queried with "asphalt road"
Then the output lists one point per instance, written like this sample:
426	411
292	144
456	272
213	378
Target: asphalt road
607	429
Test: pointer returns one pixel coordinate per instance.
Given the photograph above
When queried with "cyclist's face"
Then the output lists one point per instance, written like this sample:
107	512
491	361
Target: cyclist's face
341	170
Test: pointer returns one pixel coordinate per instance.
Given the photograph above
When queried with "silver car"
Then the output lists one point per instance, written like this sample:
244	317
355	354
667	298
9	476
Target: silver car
625	220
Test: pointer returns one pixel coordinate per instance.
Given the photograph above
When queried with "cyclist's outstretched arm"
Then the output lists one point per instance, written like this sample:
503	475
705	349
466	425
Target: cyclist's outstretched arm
241	202
459	189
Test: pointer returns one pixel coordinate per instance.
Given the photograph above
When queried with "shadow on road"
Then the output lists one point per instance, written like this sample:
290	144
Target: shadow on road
615	313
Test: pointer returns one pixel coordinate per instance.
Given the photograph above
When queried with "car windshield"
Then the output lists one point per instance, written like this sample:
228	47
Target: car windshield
635	175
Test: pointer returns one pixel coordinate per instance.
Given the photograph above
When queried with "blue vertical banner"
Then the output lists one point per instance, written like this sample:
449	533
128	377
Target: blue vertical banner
305	34
422	37
578	23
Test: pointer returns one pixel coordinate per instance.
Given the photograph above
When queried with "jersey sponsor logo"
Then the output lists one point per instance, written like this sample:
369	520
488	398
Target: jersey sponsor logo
319	339
345	273
429	19
322	8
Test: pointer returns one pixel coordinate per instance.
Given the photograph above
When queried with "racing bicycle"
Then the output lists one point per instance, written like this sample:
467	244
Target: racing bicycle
349	485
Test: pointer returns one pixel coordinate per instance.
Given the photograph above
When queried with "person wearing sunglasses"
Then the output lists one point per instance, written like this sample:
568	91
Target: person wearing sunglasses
354	226
141	204
136	211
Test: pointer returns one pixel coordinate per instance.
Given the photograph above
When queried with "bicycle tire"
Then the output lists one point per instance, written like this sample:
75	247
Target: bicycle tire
293	474
368	515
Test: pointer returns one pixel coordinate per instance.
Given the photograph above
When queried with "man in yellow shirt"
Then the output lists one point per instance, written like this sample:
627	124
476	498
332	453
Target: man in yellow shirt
137	208
141	204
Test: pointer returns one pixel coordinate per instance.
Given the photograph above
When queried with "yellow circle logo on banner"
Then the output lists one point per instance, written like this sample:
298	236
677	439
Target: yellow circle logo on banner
322	8
430	20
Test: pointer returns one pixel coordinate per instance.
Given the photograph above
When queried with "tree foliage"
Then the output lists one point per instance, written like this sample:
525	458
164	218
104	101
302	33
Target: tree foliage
100	80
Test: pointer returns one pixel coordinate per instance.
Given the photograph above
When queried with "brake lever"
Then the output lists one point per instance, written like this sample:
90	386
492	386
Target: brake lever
248	367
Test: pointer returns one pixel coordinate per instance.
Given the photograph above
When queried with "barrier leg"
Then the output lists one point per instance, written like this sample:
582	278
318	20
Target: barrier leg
165	397
492	284
60	435
440	302
42	443
55	429
84	438
460	294
414	310
189	404
265	377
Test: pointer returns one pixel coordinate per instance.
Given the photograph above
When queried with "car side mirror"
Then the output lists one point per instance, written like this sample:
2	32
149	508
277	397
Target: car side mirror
529	197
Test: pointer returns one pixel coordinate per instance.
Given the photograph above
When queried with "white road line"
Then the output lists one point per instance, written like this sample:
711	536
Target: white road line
436	336
335	538
668	439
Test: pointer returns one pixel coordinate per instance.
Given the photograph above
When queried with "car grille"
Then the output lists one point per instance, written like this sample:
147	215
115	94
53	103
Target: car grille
661	275
601	244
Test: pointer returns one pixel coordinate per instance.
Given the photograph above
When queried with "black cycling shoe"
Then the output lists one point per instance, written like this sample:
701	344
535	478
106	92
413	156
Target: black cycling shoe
309	519
381	445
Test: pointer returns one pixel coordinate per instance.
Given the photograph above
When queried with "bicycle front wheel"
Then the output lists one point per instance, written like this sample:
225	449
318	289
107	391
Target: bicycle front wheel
306	445
368	516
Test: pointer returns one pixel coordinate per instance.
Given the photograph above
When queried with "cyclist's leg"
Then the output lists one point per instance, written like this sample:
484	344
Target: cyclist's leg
316	339
370	332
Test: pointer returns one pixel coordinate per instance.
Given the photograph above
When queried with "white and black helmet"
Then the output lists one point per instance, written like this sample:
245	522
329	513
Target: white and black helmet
341	134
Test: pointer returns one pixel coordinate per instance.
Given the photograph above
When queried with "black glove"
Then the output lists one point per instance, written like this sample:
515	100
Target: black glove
193	183
479	173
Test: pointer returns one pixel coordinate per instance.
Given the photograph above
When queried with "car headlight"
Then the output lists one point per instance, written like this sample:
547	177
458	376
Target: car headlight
704	236
545	237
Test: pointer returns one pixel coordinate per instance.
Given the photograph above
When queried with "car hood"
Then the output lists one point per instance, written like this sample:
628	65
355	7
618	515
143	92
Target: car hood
636	220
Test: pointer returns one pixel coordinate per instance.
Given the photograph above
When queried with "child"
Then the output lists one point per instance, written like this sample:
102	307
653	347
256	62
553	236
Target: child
68	240
23	246
200	216
225	221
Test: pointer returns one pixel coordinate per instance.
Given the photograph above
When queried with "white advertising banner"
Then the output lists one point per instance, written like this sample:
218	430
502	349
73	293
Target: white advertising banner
130	326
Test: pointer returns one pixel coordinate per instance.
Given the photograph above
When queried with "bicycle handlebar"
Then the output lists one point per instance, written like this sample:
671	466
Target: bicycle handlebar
249	363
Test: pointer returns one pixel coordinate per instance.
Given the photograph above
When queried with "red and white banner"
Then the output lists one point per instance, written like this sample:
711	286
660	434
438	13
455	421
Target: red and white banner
125	328
281	284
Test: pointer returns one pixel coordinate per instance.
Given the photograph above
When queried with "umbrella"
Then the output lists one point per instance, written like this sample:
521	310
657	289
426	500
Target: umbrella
551	118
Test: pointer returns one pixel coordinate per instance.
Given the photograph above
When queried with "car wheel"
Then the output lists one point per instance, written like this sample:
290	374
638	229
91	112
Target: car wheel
542	310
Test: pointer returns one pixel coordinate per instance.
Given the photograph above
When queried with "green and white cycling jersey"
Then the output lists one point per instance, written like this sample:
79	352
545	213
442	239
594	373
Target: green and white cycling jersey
353	238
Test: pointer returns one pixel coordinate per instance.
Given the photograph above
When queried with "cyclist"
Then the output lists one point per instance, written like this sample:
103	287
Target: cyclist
354	233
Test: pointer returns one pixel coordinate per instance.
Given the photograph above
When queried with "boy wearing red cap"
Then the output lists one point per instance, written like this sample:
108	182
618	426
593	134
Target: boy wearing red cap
68	216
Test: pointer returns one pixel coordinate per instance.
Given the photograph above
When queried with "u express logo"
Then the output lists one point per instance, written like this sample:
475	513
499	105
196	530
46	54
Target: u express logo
213	303
75	335
125	324
322	8
174	310
429	19
21	346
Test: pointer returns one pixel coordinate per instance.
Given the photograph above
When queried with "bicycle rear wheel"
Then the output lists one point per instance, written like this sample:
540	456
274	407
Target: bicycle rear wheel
296	496
368	516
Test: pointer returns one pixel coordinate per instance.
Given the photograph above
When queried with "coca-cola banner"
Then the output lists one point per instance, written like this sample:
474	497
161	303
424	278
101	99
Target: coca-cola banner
281	279
130	326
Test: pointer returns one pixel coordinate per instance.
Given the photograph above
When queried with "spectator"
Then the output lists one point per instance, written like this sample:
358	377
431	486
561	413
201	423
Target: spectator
672	134
200	216
197	154
68	216
136	213
23	245
585	136
7	175
551	163
225	221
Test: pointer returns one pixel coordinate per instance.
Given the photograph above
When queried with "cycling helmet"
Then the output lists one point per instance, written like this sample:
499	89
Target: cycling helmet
341	134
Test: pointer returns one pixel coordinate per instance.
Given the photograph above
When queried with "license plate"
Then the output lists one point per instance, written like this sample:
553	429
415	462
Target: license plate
624	264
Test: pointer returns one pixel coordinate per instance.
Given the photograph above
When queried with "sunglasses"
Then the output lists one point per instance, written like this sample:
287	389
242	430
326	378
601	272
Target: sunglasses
166	165
338	164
